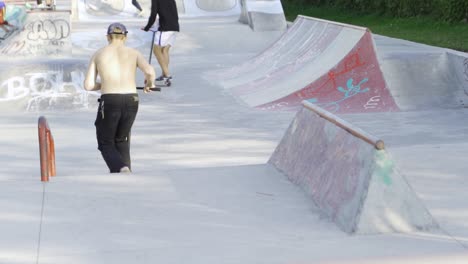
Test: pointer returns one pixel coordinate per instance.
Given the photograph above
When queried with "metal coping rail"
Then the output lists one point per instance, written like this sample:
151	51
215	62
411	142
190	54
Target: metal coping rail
46	149
357	132
334	23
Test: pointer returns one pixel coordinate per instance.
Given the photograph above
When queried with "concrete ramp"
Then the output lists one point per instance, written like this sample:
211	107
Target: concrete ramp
458	63
263	15
333	65
423	77
41	34
348	175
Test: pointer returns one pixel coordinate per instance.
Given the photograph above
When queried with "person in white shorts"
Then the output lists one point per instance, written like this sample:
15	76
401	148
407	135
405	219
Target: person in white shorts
165	36
163	41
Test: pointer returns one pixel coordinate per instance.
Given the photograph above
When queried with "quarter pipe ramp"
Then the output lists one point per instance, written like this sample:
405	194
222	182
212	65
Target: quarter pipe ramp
330	64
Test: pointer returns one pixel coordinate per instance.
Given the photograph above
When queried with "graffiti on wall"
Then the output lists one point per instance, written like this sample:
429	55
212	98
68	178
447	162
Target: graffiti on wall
48	35
330	94
47	91
329	163
347	93
373	102
14	47
342	89
48	30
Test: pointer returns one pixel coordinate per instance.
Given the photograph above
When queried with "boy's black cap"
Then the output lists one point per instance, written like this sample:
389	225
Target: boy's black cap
117	28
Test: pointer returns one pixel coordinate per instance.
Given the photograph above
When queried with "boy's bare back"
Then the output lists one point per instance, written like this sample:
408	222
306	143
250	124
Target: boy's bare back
116	66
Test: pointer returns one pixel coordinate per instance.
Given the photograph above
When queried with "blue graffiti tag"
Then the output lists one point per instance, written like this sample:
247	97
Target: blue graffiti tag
347	93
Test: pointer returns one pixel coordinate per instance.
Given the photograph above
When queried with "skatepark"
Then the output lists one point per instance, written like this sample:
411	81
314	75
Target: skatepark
311	142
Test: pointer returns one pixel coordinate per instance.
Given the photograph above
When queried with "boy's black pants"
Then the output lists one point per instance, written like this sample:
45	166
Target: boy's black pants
115	117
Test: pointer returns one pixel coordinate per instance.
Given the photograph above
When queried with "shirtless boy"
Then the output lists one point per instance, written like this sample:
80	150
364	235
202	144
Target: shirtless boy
116	66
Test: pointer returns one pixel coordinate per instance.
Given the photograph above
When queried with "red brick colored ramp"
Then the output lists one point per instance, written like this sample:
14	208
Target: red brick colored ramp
330	64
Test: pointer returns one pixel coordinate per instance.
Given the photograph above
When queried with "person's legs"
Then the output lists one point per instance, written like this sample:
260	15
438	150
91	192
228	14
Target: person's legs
163	42
162	60
137	5
165	54
4	27
122	137
107	121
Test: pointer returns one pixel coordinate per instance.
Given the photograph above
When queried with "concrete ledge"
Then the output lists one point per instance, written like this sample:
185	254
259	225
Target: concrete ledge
355	185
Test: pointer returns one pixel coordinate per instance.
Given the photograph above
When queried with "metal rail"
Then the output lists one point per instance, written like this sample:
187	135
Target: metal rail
357	132
46	150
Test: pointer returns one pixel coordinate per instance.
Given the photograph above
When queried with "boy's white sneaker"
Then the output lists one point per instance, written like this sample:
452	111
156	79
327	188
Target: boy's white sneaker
125	169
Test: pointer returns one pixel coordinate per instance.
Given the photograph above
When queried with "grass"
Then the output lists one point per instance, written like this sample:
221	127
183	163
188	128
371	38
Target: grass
418	29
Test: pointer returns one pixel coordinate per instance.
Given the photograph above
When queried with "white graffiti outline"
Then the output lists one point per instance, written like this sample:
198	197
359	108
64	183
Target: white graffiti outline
14	89
352	90
45	89
373	102
48	29
279	105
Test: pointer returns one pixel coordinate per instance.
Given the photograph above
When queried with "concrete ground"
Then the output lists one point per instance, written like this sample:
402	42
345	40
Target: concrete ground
201	191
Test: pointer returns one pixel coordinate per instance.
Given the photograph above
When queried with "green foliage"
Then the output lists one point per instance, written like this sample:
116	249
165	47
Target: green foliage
444	10
452	10
443	25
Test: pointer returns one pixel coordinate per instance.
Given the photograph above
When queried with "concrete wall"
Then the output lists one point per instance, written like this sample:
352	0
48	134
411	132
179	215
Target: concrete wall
421	80
263	15
458	74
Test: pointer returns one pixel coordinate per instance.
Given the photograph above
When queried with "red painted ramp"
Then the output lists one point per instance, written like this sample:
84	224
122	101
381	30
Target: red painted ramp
329	64
355	84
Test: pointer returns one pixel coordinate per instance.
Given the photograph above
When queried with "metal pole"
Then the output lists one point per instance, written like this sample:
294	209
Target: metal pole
377	143
46	150
51	153
42	127
152	45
